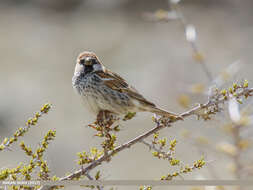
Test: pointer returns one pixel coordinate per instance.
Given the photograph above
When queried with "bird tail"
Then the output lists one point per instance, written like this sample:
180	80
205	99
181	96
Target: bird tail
165	113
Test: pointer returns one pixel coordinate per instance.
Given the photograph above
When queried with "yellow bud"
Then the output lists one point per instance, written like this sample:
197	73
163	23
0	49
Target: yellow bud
5	140
202	140
22	144
37	115
246	84
225	75
224	92
198	88
11	140
161	14
155	154
184	100
198	57
239	101
244	144
34	120
156	135
2	147
227	148
175	174
174	162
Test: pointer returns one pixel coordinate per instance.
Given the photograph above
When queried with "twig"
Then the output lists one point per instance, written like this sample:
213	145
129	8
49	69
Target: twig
236	158
151	146
7	142
212	103
182	19
91	178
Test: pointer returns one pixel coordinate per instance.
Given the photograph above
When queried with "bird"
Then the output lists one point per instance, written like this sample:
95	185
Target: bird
103	90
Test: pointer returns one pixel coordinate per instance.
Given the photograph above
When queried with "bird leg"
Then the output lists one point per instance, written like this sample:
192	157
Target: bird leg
100	117
105	118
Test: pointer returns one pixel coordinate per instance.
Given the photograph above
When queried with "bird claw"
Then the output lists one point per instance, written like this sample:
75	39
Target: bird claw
105	118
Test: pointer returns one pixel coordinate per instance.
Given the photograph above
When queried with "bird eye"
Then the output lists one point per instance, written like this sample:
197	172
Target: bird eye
94	61
82	61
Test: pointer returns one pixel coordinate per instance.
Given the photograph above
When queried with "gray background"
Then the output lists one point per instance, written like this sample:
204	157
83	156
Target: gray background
39	42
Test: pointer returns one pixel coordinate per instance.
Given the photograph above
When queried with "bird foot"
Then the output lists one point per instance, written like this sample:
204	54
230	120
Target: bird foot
105	118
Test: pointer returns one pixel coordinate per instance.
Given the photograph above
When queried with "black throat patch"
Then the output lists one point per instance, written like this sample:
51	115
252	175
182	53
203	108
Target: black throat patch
88	69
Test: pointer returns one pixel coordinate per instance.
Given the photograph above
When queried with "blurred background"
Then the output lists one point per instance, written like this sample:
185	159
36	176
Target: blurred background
39	43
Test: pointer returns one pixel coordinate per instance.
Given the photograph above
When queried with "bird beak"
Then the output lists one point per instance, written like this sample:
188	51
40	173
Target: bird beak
88	62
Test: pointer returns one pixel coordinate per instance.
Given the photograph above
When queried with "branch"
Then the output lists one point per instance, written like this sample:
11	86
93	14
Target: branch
215	100
210	102
103	158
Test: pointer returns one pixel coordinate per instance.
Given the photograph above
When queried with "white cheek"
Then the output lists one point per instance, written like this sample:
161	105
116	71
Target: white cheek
78	69
97	67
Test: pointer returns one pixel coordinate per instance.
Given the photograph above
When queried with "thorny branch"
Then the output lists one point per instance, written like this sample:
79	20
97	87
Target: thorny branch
214	101
23	130
151	146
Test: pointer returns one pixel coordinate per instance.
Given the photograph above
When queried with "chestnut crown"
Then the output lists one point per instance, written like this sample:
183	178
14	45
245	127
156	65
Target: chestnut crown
88	58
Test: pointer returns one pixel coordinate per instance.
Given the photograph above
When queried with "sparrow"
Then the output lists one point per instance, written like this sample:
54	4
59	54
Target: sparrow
103	90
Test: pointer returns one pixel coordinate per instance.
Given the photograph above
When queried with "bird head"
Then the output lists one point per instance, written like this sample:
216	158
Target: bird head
88	62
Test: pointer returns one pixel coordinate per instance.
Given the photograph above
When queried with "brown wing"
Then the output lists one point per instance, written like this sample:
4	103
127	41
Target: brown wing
116	82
